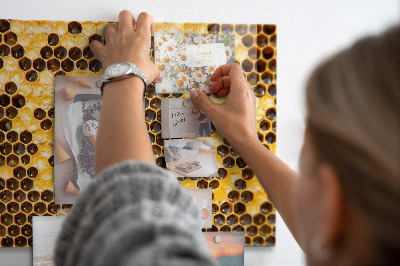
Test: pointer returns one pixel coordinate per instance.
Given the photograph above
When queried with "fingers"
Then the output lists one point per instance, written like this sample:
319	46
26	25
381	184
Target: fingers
224	82
201	100
145	24
158	75
223	92
126	22
224	71
97	48
110	32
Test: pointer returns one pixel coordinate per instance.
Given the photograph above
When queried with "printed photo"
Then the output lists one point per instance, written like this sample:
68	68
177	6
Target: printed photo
45	232
191	157
204	199
188	60
180	118
77	111
226	247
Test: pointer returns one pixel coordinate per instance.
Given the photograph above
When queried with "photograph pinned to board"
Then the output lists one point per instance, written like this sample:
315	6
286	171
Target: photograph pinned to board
226	247
45	233
191	157
204	199
180	118
188	60
77	112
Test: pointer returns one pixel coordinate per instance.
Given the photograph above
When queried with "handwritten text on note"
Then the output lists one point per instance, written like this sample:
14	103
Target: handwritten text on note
210	54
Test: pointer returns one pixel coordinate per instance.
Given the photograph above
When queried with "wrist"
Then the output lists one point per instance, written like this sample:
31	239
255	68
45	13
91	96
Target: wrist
133	85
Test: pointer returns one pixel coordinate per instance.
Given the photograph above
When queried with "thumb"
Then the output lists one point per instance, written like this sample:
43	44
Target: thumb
202	101
157	74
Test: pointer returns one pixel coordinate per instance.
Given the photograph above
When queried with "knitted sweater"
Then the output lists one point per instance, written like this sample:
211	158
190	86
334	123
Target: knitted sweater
134	213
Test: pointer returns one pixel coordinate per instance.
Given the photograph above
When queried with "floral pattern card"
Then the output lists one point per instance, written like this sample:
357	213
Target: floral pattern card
188	60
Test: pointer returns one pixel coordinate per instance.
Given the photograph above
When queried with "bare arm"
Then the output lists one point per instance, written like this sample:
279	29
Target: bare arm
236	121
122	131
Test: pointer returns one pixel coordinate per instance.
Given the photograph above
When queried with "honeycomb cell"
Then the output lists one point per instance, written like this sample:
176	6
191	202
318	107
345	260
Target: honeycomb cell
272	65
12	160
273	40
266	208
4	25
39	114
11	112
219	220
267	78
270	138
155	103
215	208
6	219
25	159
226	208
260	137
247	65
32	148
20	241
239	208
264	125
155	127
10	38
74	27
160	162
258	241
12	184
159	140
25	137
269	29
6	196
40	208
241	29
274	126
150	115
232	220
4	50
222	173
31	76
25	64
60	52
245	219
233	196
50	113
10	88
46	52
202	184
19	149
27	185
262	40
95	37
156	150
270	240
213	28
53	65
2	136
223	150
3	231
82	64
238	228
272	90
271	114
52	208
248	40
46	124
67	65
229	162
87	53
26	230
225	228
26	207
271	218
7	242
5	148
95	65
19	196
252	230
214	184
247	196
261	66
75	53
51	161
19	100
253	78
39	64
264	230
53	39
4	100
1	115
226	28
47	196
240	184
240	163
268	52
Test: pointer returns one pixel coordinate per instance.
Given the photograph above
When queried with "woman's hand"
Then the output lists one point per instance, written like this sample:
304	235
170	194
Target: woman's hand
235	119
130	42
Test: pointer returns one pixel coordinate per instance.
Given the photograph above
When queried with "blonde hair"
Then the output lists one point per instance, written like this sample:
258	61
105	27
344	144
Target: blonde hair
353	118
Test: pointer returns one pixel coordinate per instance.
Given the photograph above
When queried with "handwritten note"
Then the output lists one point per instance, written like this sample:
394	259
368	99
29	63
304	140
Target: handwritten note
210	54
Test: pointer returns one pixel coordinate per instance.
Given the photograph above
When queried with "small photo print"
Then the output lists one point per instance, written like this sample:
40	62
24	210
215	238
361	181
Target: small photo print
45	233
181	118
191	157
77	111
204	199
226	247
188	60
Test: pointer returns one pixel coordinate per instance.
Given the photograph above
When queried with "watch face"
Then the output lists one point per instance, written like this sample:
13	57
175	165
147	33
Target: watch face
117	69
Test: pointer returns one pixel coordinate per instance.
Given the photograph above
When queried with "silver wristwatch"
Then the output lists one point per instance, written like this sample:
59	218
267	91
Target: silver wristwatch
120	71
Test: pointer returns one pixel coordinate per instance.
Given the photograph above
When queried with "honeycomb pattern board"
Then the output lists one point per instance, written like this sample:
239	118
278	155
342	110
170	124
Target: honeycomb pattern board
33	52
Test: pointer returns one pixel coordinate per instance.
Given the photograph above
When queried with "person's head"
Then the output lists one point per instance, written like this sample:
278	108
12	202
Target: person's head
347	199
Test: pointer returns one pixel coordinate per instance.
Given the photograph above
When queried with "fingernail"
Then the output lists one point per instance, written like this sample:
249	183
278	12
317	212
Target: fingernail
160	78
194	94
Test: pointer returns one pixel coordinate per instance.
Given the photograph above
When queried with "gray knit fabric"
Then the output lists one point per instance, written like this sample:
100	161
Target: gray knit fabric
134	213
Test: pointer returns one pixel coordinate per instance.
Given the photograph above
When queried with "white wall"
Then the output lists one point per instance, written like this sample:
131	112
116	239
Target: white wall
307	32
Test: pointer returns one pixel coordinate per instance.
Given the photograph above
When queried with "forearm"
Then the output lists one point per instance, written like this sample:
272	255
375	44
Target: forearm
273	174
122	131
